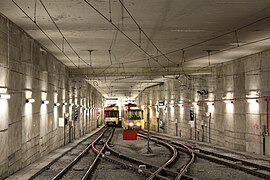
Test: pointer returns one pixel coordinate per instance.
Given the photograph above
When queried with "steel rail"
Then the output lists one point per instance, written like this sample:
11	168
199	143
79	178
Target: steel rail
99	154
76	159
184	169
228	161
140	162
168	163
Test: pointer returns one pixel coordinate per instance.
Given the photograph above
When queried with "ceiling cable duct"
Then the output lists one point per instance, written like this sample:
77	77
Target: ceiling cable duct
44	33
122	32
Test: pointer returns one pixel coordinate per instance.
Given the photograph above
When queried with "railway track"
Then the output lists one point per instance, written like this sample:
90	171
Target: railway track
102	141
100	148
57	168
231	162
170	162
150	171
81	153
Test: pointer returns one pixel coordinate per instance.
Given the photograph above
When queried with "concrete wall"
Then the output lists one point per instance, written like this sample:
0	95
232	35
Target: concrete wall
238	125
29	131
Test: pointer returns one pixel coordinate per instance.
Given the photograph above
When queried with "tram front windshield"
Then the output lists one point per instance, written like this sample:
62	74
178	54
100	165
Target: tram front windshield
111	113
134	114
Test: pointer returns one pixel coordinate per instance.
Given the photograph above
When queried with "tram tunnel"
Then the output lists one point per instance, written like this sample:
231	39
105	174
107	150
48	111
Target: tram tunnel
198	71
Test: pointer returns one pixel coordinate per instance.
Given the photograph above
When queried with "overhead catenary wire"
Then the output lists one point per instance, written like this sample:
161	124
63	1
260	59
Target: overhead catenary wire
214	53
216	37
141	30
61	32
183	48
44	32
94	8
65	40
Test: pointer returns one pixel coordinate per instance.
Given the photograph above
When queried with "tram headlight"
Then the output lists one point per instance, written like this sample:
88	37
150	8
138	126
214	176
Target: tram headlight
138	124
131	124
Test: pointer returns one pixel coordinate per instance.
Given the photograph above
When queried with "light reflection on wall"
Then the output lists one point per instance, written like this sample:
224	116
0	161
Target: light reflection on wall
70	107
43	116
182	111
253	106
229	103
211	107
172	109
196	107
182	108
55	112
229	107
28	82
4	114
28	120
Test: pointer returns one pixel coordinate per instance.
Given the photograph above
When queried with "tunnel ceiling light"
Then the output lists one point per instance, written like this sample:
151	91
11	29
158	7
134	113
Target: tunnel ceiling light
45	102
56	104
4	96
30	100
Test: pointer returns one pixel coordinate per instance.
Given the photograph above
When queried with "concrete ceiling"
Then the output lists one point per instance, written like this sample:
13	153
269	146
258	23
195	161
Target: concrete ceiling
175	39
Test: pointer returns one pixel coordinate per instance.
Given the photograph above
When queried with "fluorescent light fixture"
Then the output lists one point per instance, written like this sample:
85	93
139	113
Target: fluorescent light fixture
30	100
210	103
45	102
56	104
195	103
4	96
65	103
71	104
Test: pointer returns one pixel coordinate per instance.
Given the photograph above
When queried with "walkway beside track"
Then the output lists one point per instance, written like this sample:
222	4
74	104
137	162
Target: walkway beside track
29	171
